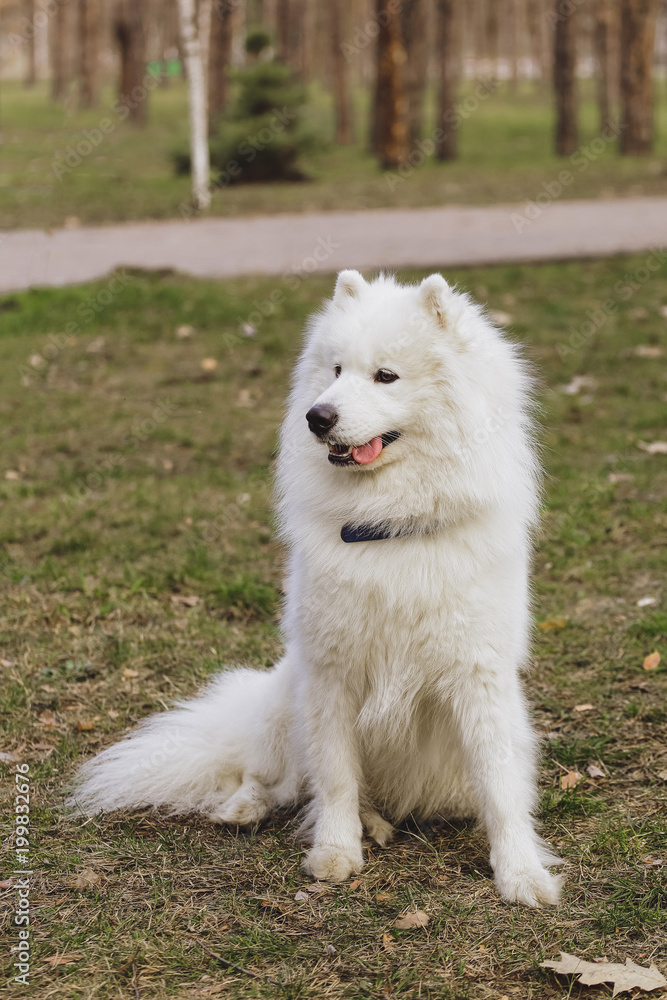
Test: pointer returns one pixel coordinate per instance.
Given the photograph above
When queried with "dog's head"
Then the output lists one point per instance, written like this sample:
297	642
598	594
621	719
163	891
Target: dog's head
382	357
412	392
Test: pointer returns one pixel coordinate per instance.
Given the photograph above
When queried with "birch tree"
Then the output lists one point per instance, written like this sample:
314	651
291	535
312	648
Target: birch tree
197	111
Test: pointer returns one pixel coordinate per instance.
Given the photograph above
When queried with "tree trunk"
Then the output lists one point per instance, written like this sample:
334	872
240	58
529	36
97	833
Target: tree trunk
220	50
283	30
31	72
447	142
199	159
88	51
491	35
129	29
534	24
512	41
340	75
638	19
602	50
58	53
565	83
391	122
413	18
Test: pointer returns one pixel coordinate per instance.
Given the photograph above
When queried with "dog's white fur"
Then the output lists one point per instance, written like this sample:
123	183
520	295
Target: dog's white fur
399	692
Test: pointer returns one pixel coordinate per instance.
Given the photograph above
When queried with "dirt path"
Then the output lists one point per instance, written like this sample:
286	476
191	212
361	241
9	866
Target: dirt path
439	237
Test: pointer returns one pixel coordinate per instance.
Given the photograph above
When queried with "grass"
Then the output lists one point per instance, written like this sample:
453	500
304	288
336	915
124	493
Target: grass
505	156
138	557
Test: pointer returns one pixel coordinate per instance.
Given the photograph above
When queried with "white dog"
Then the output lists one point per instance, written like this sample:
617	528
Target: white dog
408	489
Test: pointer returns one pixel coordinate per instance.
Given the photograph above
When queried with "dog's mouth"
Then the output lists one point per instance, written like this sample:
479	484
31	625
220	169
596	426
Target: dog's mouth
361	454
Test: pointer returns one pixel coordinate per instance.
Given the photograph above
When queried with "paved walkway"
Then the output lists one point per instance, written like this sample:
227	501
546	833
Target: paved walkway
390	238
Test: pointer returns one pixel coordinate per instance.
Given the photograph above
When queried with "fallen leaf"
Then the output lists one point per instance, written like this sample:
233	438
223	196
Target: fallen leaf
6	885
301	896
65	958
584	708
185	331
388	942
209	364
95	346
578	383
112	713
47	719
9	756
7	663
500	318
662	775
86	879
552	623
129	674
12	474
595	771
648	351
167	464
84	726
189	600
624	977
650	860
653	447
646	602
415	918
652	661
355	885
318	889
620	477
382	897
570	779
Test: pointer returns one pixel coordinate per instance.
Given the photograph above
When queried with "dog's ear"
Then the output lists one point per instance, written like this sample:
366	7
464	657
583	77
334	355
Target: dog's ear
438	299
348	286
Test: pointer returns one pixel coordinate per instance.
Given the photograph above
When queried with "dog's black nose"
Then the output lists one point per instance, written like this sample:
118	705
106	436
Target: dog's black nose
321	418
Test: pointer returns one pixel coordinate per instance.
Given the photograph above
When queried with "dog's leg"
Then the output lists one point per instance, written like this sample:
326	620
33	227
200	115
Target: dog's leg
333	767
377	828
497	743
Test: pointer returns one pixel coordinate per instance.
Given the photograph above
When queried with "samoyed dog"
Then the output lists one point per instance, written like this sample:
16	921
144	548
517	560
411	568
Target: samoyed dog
408	488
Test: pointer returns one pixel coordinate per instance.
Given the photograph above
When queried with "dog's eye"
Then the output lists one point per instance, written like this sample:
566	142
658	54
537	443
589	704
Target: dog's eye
385	376
337	370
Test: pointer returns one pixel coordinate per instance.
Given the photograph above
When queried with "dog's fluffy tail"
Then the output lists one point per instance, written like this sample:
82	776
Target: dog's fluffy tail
232	742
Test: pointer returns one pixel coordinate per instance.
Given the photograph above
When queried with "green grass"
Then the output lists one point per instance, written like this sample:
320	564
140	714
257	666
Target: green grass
137	557
505	156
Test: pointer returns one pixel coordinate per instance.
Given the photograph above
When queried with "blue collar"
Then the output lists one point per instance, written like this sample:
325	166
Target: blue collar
370	532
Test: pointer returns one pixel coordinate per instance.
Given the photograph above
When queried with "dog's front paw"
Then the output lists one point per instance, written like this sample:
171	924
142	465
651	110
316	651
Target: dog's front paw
328	863
533	886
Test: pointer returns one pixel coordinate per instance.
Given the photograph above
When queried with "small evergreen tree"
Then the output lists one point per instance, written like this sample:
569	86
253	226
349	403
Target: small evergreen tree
263	136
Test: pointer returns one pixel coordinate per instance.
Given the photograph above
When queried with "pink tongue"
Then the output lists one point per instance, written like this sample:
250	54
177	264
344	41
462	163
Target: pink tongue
367	452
